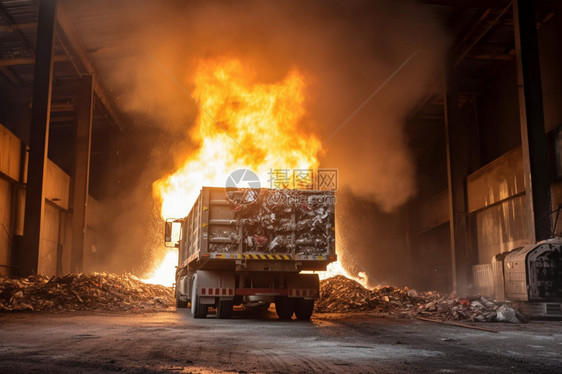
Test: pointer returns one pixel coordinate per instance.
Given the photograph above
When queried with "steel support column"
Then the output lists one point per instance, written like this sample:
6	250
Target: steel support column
28	256
457	167
533	140
85	110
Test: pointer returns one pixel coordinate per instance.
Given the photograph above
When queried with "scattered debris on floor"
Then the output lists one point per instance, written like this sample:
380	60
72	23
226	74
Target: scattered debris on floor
83	291
340	295
111	292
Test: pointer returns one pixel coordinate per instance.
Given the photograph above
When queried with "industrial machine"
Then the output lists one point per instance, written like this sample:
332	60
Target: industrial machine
532	276
249	246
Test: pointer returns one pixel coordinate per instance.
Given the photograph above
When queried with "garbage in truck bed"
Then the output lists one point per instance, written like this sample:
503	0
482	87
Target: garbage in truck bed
278	221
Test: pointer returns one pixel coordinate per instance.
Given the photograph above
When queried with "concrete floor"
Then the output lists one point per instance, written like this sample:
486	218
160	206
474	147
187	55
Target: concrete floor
331	343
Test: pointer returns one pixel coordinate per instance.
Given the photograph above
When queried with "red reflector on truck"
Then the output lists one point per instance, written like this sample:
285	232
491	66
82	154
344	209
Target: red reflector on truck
217	291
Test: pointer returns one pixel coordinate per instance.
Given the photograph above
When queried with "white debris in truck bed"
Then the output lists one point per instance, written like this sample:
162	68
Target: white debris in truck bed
279	221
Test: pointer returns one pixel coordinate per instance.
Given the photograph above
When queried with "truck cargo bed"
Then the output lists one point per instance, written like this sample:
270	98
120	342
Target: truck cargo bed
281	227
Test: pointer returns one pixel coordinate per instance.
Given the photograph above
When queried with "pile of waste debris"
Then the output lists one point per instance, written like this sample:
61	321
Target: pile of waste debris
278	221
83	291
342	295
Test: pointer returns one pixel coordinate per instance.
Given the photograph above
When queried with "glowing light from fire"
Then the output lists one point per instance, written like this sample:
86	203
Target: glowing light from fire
336	268
164	273
333	269
258	128
244	124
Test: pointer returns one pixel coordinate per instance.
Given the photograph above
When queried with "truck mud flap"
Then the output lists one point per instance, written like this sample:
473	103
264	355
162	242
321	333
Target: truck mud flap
305	286
211	284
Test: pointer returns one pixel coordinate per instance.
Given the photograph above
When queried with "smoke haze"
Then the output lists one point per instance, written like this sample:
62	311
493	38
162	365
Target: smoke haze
344	49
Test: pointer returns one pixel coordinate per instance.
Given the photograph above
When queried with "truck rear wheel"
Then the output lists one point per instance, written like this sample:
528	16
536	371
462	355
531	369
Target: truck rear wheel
304	309
198	310
179	303
284	307
224	309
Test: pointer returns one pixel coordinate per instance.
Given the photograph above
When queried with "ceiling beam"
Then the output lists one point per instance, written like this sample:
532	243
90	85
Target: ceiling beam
27	61
60	93
540	5
492	57
62	107
58	119
17	26
21	36
7	72
457	59
75	43
493	4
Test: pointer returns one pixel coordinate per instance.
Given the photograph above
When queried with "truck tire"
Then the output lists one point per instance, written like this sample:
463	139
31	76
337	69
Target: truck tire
179	303
304	309
198	310
284	307
224	309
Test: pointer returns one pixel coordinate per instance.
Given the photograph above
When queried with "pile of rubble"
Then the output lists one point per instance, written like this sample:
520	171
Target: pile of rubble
341	295
84	291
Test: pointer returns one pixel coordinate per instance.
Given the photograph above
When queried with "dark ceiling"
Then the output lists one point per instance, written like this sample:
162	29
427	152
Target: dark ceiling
482	32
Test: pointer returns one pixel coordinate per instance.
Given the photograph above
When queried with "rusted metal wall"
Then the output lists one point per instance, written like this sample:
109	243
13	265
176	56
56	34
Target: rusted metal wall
49	241
10	165
5	227
12	207
57	186
483	279
497	181
496	195
57	193
501	228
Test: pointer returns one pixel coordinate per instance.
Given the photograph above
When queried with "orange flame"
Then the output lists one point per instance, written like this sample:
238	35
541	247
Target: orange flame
164	273
242	124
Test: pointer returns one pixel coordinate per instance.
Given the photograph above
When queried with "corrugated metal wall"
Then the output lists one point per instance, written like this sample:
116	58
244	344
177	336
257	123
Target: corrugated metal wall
496	196
5	226
10	166
48	249
56	230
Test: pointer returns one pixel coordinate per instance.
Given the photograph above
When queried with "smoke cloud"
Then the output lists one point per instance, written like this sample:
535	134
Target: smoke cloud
345	50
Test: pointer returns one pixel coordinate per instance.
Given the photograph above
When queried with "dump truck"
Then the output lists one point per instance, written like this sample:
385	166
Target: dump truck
254	247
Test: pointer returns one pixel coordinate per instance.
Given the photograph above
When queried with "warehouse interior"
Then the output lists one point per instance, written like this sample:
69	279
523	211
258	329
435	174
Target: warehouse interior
478	119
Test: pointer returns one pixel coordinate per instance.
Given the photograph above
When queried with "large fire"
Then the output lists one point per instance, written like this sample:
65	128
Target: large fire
242	124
